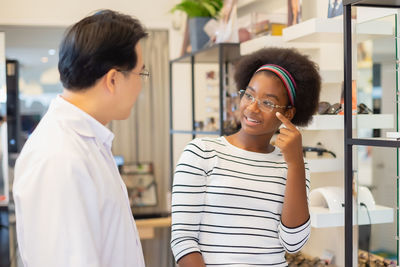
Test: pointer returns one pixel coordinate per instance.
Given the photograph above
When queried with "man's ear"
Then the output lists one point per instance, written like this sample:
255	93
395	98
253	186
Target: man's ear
110	80
289	113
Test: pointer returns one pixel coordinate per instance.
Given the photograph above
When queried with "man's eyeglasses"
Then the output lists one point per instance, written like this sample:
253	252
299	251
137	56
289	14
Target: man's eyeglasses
264	105
144	74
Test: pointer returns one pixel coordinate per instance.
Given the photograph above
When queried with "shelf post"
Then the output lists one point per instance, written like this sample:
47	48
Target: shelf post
348	127
171	139
193	97
221	89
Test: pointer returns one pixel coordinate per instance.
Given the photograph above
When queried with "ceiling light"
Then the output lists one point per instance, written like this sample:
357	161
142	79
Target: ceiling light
52	52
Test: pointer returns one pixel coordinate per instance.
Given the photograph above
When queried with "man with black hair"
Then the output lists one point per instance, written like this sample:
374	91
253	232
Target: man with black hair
72	207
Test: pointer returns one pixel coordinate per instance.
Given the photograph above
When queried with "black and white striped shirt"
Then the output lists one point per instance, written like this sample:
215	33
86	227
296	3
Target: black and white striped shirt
227	203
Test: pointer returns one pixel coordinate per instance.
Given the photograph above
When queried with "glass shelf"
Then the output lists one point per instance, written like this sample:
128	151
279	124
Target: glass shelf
375	194
373	3
379	142
375	158
224	51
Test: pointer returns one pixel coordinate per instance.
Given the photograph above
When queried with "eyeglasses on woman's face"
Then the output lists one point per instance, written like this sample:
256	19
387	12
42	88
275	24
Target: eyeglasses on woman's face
264	105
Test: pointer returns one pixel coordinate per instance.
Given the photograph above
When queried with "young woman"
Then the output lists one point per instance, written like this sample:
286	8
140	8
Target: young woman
240	200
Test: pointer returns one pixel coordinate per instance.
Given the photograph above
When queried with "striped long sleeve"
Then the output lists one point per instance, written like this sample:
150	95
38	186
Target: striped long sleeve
293	239
188	194
227	204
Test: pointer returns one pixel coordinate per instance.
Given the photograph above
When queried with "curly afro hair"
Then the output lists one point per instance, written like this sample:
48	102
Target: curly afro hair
304	72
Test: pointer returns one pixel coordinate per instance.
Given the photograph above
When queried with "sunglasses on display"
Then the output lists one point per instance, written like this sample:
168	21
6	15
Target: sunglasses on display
319	149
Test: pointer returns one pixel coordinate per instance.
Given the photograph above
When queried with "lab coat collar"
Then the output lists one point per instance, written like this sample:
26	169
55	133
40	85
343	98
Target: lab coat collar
80	121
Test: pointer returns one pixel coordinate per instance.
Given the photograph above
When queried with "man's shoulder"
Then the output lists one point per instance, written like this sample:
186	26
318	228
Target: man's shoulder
53	138
51	146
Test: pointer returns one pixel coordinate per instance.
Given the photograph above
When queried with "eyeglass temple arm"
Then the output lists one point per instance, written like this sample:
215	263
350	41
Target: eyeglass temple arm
319	151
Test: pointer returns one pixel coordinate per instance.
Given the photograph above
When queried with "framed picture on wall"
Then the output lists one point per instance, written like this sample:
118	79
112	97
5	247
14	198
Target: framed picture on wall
294	12
335	8
140	183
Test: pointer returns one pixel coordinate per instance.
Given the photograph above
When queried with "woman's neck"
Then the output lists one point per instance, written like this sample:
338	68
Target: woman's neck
254	143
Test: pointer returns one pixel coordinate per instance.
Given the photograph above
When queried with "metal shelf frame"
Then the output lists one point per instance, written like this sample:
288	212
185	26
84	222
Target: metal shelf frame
223	54
349	141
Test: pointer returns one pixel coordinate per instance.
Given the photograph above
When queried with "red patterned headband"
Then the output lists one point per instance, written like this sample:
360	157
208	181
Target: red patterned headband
285	77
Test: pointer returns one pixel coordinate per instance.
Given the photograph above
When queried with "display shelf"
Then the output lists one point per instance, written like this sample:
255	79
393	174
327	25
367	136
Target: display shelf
321	30
195	132
329	122
153	222
322	217
325	165
373	29
315	30
373	3
380	214
223	51
146	227
378	141
223	56
362	121
331	76
275	41
244	3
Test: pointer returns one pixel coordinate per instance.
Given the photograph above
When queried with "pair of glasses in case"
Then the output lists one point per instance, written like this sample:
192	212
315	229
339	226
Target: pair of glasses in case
319	149
326	108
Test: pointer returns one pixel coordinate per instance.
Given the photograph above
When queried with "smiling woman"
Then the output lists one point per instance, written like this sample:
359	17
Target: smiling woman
304	72
238	199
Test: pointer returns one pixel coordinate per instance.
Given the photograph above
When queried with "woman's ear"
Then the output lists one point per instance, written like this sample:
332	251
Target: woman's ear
290	112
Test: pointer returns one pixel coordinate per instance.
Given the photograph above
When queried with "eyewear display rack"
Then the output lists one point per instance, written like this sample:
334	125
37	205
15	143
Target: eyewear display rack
351	141
222	54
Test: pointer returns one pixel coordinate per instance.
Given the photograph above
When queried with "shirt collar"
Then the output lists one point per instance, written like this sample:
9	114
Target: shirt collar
80	121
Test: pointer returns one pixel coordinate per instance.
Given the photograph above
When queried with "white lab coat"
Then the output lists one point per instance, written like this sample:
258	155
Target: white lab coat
72	207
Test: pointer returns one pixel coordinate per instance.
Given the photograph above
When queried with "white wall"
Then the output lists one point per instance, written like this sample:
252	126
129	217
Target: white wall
153	14
2	68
